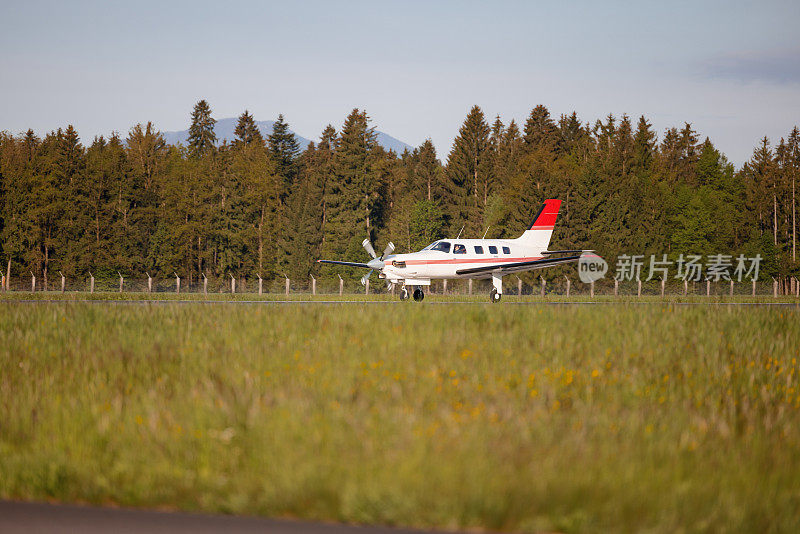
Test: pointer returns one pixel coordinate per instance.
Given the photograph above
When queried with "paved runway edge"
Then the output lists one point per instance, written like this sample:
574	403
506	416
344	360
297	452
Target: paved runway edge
36	517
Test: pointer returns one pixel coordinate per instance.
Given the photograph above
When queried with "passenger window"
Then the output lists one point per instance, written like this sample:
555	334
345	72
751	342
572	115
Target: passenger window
492	249
506	250
478	250
458	248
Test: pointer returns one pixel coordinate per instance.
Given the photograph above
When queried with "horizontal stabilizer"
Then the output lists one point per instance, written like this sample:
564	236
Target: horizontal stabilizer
547	252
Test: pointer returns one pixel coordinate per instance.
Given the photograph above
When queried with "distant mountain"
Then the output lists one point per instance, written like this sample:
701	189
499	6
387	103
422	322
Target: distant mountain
224	129
390	143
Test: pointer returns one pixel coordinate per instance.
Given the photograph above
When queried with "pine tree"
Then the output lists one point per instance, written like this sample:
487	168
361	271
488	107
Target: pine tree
354	191
644	145
570	131
201	132
428	178
284	148
468	168
793	154
247	131
687	141
540	130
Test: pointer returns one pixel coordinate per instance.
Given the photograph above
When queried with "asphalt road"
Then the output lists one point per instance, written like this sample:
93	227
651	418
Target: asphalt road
43	518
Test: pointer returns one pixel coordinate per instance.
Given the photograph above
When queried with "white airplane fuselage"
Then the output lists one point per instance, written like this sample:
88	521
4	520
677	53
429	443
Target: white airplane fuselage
419	268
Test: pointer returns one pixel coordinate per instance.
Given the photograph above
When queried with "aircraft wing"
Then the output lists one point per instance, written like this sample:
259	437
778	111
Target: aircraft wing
348	263
519	266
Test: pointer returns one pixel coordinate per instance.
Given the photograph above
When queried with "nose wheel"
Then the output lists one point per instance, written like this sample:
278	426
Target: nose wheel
494	295
404	294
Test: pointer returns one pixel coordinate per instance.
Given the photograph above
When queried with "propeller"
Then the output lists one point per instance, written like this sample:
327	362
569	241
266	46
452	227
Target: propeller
376	263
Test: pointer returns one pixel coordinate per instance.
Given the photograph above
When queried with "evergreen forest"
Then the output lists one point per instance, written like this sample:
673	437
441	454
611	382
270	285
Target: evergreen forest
261	206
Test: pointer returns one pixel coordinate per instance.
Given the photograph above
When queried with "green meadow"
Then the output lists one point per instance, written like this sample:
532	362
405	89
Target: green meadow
620	417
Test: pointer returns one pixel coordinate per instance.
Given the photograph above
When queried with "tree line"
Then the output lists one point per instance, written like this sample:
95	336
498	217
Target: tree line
262	206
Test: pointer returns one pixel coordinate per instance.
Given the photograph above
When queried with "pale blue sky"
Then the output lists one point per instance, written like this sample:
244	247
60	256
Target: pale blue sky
732	69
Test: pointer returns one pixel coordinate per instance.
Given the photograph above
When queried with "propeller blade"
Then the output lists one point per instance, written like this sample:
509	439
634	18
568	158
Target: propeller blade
366	277
368	247
388	250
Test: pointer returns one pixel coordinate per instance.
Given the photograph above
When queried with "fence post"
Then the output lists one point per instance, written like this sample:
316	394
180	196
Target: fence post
663	282
519	286
616	286
754	287
639	285
63	281
121	281
685	287
392	284
287	284
149	282
774	288
177	283
470	286
591	289
233	284
33	282
341	285
366	287
313	285
91	282
708	287
731	287
205	284
260	284
444	286
543	284
568	284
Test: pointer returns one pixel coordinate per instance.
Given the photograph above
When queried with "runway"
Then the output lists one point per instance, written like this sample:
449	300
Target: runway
428	301
44	518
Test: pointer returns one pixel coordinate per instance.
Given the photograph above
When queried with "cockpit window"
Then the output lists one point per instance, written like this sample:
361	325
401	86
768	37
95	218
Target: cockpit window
458	248
442	246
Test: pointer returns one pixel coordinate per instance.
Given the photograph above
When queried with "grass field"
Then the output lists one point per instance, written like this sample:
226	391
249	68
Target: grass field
656	418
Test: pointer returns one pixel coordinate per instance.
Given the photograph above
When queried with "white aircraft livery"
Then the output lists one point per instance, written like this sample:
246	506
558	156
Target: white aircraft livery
470	258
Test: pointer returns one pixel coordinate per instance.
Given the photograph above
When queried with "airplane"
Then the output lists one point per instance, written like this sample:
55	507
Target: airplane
469	258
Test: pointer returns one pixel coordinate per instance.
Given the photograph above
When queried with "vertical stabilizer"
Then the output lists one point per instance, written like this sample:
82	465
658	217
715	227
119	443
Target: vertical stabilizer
540	231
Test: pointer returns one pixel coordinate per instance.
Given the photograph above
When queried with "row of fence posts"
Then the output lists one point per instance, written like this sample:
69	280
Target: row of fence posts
794	285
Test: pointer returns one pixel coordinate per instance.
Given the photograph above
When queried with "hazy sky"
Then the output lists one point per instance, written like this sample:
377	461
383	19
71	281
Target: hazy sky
732	69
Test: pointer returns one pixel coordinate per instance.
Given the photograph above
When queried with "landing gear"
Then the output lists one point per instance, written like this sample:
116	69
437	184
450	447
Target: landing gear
404	294
497	290
418	294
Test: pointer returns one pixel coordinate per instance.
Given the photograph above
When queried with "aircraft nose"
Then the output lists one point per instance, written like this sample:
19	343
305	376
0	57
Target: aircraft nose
376	264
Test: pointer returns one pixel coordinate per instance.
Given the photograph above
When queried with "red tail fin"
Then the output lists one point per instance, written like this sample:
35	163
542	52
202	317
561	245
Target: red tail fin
546	218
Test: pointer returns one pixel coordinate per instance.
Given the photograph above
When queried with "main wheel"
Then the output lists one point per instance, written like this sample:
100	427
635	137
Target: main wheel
404	294
418	295
494	296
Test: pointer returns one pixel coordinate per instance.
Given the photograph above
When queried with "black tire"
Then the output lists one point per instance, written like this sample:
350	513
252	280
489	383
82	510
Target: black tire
404	294
494	296
418	295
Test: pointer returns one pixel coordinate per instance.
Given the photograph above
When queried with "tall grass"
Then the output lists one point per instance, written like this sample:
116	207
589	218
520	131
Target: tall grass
621	418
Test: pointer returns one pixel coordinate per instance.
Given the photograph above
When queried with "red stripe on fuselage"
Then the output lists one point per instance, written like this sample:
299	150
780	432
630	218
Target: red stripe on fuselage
467	260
